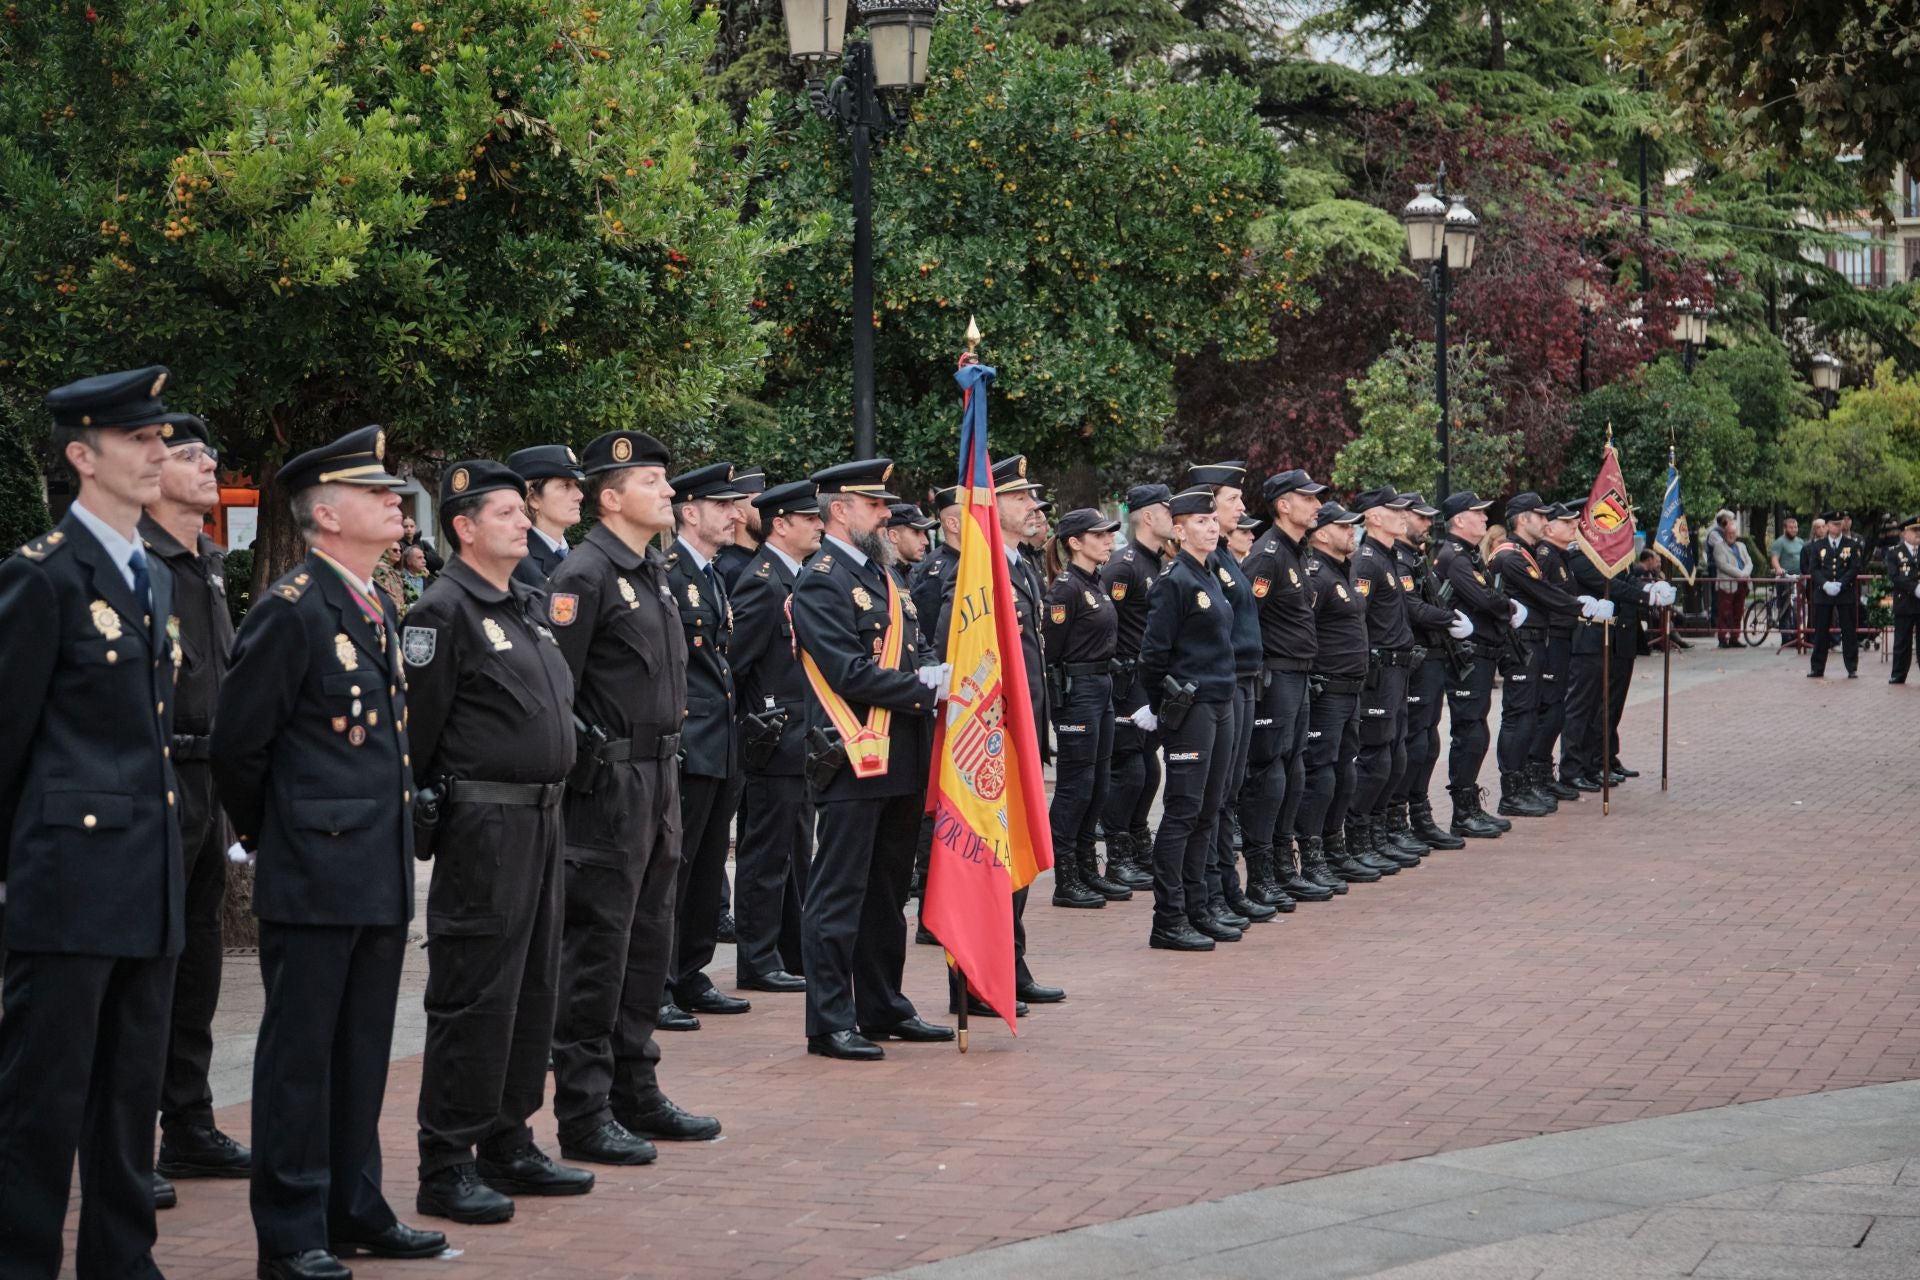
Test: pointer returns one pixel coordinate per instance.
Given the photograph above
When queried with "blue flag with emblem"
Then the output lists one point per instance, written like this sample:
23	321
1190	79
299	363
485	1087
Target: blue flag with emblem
1673	540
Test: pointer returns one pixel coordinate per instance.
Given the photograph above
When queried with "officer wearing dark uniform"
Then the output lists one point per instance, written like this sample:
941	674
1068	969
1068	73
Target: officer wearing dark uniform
732	559
1470	701
1277	570
709	745
1903	578
1582	750
190	1145
868	790
1081	630
1339	676
1134	773
1186	670
90	855
1832	566
776	813
536	466
1518	571
1553	553
1394	656
1412	811
618	626
312	759
906	532
1227	898
491	704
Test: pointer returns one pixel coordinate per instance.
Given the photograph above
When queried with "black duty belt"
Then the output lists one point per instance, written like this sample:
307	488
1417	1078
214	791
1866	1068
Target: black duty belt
191	746
1393	657
540	795
1330	685
1483	649
665	747
1289	664
1084	668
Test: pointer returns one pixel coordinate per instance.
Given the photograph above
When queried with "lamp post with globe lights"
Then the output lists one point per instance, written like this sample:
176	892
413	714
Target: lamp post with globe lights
1441	239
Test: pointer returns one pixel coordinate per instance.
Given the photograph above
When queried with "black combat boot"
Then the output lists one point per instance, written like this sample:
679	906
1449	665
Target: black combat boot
1381	847
1341	862
1420	822
1110	889
1480	807
1141	861
1544	781
1262	886
1531	782
1399	835
1360	848
1068	891
1294	878
1468	820
1314	867
1515	800
1127	862
1242	904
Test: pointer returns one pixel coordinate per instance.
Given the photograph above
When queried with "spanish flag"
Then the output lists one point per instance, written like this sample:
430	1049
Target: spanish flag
987	796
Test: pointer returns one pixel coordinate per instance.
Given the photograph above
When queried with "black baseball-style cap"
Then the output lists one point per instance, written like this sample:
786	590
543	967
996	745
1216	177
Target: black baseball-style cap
1384	496
356	458
1522	503
1142	496
1464	501
1286	482
904	515
1084	520
618	449
1333	513
546	462
1419	505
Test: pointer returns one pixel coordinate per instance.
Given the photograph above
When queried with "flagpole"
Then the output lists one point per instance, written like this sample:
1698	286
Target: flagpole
1666	689
1606	714
965	995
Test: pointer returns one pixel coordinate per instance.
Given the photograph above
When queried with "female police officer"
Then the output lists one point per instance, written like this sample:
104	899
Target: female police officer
1080	632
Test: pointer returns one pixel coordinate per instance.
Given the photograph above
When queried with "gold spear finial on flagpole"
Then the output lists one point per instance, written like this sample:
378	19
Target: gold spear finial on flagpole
973	334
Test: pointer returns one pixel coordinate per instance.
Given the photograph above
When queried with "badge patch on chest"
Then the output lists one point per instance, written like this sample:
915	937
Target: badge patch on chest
1057	612
693	595
1202	599
628	594
564	607
496	634
862	597
1293	575
1093	601
343	651
1226	579
1340	591
419	644
105	620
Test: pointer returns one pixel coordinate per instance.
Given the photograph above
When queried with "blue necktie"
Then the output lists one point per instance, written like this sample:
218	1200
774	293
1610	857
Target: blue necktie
142	580
561	551
719	592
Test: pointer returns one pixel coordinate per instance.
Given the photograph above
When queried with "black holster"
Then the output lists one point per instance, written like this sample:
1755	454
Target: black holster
761	737
589	764
426	817
826	756
1176	699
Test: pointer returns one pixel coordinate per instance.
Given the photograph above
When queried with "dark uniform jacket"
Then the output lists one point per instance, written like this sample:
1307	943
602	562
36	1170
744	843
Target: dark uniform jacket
923	637
1623	589
1523	570
1126	580
1824	562
764	664
540	563
619	630
731	561
1340	614
490	697
1903	571
89	835
1189	634
1277	568
1082	625
1429	621
1555	562
204	636
1377	578
710	741
311	756
1247	653
1458	562
930	581
840	619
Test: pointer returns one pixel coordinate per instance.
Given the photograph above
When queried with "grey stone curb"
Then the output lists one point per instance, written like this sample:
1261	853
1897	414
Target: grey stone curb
1355	1224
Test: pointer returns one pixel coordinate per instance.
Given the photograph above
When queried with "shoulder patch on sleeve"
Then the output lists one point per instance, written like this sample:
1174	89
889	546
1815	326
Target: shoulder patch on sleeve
418	645
562	608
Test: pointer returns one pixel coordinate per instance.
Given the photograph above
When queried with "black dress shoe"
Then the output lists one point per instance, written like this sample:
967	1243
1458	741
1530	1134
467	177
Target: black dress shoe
314	1264
457	1193
1584	782
850	1045
916	1030
714	1000
164	1196
531	1172
1231	919
978	1008
1255	912
924	938
1625	772
1853	675
1034	993
397	1241
778	980
201	1151
1181	937
1212	927
662	1121
674	1018
611	1143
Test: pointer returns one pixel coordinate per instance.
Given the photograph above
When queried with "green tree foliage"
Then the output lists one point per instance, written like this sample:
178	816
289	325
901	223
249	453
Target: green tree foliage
1865	454
1397	444
480	222
1699	416
1100	224
23	507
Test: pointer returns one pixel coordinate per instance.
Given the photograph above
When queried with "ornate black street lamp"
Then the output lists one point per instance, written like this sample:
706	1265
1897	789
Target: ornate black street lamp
1440	238
1826	380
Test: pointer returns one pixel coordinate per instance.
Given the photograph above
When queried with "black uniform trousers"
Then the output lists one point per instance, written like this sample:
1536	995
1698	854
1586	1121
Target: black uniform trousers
493	972
1133	778
1580	739
706	824
1426	691
770	863
1827	610
1551	717
1470	701
186	1096
1276	764
1520	704
616	941
1903	624
82	1039
1620	680
1082	759
1198	753
319	1077
853	928
1332	739
1223	872
1382	762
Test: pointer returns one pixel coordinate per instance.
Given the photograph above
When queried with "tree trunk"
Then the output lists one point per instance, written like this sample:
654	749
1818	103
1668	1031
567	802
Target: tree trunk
277	545
1496	39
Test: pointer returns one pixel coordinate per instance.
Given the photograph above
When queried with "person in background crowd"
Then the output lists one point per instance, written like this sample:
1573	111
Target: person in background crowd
1833	565
732	559
1903	578
1784	560
1731	564
388	577
414	572
553	476
1239	539
410	537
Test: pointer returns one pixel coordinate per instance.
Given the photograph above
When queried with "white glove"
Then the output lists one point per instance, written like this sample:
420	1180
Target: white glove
937	678
1461	627
1586	600
238	856
1519	613
1664	594
1832	588
3	893
1916	591
1145	719
1602	611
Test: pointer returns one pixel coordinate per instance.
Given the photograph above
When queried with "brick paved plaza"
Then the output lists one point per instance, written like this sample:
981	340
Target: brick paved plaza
1752	934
